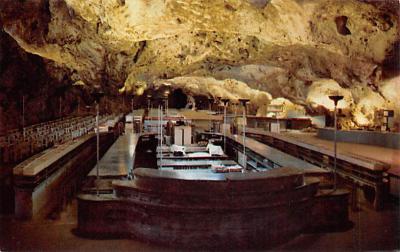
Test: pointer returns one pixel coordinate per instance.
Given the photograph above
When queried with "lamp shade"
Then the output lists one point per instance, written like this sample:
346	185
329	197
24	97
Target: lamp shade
336	98
225	101
97	95
244	101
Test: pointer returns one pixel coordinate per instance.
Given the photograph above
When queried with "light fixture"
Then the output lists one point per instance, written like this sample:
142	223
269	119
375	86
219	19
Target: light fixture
335	99
166	95
97	94
131	95
160	120
210	103
225	101
79	83
218	101
244	102
149	96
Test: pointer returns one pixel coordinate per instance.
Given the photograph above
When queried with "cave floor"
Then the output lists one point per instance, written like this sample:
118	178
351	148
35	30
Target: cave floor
371	231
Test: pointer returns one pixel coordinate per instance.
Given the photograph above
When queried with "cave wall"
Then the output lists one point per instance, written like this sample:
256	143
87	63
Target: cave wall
41	84
280	49
26	75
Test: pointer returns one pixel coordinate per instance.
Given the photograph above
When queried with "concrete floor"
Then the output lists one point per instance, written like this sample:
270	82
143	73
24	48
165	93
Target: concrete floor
371	231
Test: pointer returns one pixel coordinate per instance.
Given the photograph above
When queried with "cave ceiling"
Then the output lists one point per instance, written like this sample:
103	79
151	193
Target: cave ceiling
295	51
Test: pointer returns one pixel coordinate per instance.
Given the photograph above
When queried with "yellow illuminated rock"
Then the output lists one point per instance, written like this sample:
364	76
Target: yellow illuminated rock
288	108
319	92
229	88
296	49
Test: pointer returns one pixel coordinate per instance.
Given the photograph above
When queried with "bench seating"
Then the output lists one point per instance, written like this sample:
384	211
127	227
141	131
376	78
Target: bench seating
18	145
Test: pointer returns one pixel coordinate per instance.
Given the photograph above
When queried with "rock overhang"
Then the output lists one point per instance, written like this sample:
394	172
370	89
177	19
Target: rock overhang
271	48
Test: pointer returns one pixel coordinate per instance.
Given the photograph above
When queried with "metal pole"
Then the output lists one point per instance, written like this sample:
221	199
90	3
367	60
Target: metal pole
97	148
244	101
225	103
132	116
158	126
277	120
59	109
244	131
335	148
223	127
210	109
166	106
335	99
161	135
235	110
23	116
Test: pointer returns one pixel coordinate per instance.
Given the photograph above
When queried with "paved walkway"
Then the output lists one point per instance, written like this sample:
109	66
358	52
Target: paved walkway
382	154
118	160
277	156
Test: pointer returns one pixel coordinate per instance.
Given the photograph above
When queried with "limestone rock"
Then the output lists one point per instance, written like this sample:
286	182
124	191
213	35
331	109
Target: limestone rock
279	47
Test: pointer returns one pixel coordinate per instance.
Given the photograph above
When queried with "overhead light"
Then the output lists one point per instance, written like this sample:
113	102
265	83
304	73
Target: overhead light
336	98
79	83
166	93
225	101
97	94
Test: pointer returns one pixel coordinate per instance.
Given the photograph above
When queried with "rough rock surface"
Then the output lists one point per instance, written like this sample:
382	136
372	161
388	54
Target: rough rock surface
257	48
25	82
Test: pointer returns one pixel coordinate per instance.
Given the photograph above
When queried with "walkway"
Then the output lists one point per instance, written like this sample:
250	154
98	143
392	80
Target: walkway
381	154
277	156
118	160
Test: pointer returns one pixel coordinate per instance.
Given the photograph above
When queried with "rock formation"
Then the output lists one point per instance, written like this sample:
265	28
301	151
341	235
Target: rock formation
294	51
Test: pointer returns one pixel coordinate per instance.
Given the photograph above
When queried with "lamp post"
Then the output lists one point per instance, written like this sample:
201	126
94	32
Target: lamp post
225	101
23	116
335	99
243	102
210	102
132	96
235	105
218	104
166	95
160	107
149	102
60	107
132	106
97	95
79	85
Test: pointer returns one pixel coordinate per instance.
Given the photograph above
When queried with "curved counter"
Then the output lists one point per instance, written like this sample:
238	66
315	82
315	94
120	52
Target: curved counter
237	210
